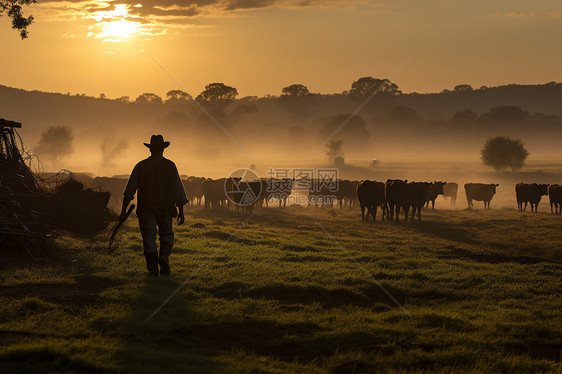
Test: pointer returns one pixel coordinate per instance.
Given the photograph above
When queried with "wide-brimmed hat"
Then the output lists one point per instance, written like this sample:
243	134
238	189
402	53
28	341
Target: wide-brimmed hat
157	141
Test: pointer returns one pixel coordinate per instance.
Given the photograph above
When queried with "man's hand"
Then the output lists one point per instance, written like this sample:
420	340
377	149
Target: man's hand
181	218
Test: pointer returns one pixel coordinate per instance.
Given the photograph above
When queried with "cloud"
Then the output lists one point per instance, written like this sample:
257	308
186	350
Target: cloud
155	17
534	14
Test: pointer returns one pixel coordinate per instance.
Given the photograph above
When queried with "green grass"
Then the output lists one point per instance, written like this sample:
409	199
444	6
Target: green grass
481	292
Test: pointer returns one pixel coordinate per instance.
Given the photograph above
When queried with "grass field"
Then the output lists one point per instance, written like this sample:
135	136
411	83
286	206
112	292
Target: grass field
297	290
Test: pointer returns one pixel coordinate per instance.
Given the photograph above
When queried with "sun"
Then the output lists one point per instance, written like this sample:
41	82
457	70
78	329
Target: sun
116	25
118	31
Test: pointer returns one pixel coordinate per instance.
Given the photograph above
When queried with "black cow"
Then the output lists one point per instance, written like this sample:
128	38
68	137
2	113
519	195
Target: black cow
435	189
370	195
450	190
480	192
530	193
396	194
555	195
417	196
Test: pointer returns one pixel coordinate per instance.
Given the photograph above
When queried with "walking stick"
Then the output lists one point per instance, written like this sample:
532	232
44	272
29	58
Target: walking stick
117	226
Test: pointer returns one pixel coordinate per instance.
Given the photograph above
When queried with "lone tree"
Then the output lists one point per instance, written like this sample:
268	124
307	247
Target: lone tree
217	96
503	152
55	144
111	149
335	152
296	90
13	8
366	86
176	95
149	98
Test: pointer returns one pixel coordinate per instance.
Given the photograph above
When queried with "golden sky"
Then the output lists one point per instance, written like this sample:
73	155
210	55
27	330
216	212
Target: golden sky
260	46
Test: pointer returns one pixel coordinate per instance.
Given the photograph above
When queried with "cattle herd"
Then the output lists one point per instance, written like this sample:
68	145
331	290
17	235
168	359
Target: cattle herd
392	197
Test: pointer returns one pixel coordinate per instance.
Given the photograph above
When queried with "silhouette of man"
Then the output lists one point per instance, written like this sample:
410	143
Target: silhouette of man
160	197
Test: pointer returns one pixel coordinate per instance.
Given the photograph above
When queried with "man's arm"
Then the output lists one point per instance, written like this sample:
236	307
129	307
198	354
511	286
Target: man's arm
180	196
130	190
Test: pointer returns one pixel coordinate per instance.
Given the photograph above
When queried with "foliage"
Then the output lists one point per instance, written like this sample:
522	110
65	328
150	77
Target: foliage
177	95
366	86
464	117
350	128
149	98
295	90
111	148
502	152
218	93
334	149
463	88
404	114
55	144
13	8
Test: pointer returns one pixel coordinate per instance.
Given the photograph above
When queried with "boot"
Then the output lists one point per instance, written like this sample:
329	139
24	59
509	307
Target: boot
152	263
163	260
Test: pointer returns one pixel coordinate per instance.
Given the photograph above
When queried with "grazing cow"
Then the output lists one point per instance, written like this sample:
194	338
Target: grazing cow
214	192
370	195
435	189
480	192
417	197
555	195
320	194
279	189
115	186
530	193
194	189
450	190
347	193
396	194
244	194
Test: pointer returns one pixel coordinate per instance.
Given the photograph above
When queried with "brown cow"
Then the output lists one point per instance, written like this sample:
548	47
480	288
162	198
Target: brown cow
194	189
214	192
417	196
396	194
555	195
530	193
370	195
244	194
480	192
321	194
450	190
435	189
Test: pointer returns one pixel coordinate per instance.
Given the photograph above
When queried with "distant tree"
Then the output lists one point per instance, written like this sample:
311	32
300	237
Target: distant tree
243	109
464	117
124	99
177	95
102	96
217	96
366	86
295	90
504	117
502	152
55	144
405	115
149	98
111	149
334	150
348	127
463	88
13	8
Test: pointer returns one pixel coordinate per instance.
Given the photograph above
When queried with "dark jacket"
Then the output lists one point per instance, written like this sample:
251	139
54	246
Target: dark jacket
159	186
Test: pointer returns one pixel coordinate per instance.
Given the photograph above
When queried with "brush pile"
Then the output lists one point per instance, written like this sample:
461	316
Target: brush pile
31	207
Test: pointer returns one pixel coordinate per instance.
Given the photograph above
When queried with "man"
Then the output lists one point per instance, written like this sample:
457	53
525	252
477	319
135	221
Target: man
160	197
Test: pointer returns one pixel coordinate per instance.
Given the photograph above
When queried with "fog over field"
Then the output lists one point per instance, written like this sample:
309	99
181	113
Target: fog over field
415	136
